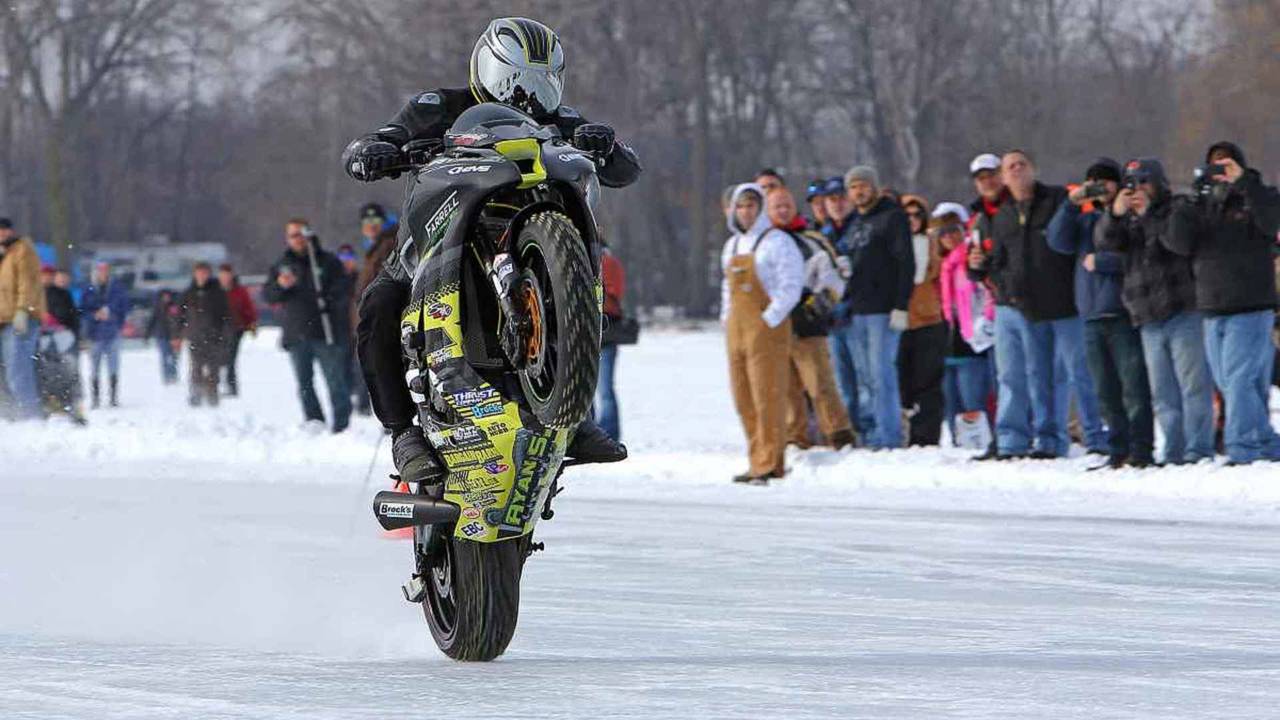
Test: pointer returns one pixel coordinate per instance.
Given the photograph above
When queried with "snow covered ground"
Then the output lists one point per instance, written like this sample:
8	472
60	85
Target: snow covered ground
224	563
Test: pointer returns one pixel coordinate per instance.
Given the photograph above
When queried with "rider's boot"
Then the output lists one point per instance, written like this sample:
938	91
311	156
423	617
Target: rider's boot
413	457
590	444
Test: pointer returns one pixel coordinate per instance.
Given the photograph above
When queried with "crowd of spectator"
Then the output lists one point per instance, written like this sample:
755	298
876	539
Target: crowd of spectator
1030	318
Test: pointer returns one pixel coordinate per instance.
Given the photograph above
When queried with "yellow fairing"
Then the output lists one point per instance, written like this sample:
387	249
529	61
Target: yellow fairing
499	471
524	149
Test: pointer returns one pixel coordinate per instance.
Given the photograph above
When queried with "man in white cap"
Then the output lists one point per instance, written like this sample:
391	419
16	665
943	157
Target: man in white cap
985	171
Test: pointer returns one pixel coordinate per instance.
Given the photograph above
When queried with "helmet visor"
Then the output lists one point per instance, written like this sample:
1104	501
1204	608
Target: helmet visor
536	91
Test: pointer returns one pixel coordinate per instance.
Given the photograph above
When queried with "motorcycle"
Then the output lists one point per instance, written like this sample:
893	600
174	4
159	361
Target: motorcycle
501	241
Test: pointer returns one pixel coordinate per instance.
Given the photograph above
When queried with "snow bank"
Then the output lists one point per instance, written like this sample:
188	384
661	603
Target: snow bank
678	420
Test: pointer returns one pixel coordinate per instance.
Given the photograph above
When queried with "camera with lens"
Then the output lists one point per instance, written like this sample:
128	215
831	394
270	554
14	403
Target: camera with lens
1207	183
1094	190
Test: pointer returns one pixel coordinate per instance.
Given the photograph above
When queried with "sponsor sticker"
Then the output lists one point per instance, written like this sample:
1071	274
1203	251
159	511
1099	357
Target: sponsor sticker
481	499
467	458
466	398
396	510
435	357
464	169
440	220
471	513
472	529
488	410
439	310
496	468
477	483
429	99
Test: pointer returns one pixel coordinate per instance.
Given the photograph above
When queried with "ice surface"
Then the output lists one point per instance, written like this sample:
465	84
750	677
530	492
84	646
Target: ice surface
205	564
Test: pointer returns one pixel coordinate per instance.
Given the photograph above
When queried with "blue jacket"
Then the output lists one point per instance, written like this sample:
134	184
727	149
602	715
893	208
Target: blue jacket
1098	293
115	299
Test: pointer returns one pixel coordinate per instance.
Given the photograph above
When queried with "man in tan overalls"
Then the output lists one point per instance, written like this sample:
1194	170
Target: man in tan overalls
763	280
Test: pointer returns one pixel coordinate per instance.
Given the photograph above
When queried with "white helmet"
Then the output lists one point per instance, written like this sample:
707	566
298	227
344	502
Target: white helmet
520	63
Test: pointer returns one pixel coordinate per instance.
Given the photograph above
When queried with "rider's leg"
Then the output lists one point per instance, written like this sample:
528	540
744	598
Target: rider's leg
382	362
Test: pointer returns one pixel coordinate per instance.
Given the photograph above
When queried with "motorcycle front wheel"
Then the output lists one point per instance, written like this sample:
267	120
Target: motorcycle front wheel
473	596
557	287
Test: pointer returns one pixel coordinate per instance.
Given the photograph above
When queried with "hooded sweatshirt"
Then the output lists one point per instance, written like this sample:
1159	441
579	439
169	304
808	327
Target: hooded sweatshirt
779	264
879	247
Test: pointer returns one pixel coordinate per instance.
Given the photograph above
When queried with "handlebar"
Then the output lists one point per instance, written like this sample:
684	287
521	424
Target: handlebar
419	153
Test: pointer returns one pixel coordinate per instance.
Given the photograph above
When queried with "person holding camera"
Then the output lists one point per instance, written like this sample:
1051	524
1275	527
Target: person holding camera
1113	347
311	287
1228	228
1160	296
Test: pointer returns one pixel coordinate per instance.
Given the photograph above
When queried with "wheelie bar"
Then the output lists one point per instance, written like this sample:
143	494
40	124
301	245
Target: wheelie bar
396	510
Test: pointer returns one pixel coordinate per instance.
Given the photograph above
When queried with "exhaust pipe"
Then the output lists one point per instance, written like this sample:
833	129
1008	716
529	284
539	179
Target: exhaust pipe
396	510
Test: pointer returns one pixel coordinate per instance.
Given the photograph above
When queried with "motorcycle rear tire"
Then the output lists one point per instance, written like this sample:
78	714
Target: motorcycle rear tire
550	249
472	609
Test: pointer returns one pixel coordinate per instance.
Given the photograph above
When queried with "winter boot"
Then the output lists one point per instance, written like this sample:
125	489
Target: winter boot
590	444
115	394
413	457
94	402
842	439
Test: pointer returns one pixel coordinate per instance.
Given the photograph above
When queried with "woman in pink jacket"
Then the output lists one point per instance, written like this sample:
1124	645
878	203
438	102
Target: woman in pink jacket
969	311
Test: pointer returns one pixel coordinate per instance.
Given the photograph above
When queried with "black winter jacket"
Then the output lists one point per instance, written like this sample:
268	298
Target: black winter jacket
63	308
206	319
1157	283
879	248
302	316
1027	273
1230	245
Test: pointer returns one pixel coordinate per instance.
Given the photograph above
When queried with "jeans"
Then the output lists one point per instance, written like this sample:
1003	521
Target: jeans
19	351
875	351
232	354
109	349
1071	376
332	359
1114	351
606	398
1241	358
168	361
356	384
966	384
840	341
1025	413
1181	391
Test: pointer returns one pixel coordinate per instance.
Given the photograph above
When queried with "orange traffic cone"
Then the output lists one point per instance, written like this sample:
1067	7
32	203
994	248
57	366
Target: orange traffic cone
402	533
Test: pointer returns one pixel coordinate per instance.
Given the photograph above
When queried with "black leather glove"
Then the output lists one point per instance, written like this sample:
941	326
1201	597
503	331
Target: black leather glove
595	138
369	159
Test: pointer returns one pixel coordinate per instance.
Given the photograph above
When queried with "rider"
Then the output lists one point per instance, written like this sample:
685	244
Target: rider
517	62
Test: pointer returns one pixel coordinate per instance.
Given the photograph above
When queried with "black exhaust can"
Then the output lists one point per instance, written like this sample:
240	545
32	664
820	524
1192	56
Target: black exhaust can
396	510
